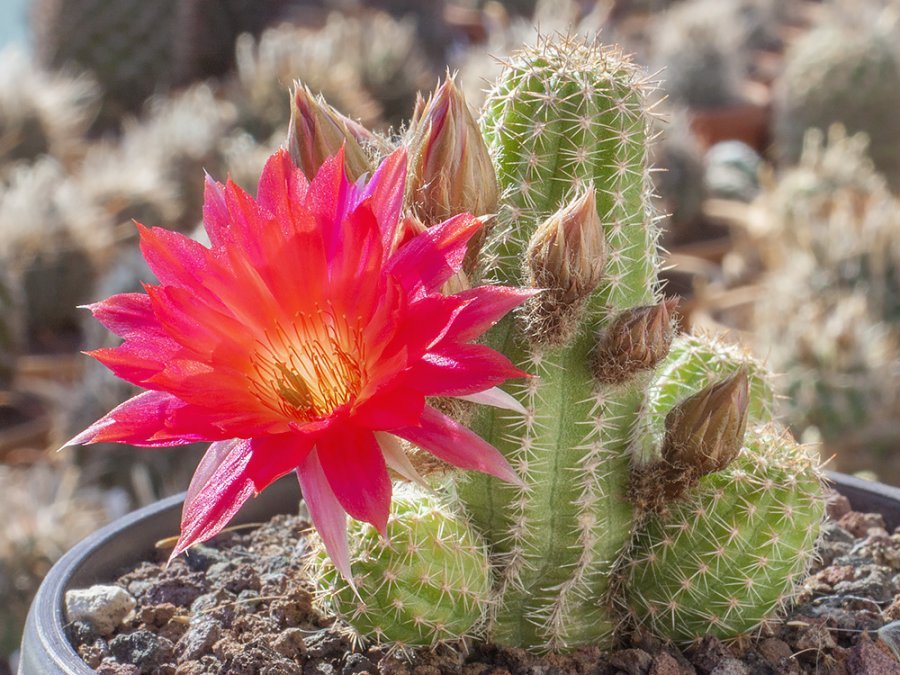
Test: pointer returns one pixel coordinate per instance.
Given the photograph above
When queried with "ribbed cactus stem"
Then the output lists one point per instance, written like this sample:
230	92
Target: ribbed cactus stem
566	117
428	582
729	554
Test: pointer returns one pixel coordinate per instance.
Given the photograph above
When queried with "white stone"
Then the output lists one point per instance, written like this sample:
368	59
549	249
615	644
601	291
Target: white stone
104	607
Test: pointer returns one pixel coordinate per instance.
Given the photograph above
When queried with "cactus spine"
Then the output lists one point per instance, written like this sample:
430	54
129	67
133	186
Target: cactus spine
565	117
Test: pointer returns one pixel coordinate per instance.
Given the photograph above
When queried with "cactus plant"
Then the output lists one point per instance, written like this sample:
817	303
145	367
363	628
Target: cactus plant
848	75
587	133
726	557
566	127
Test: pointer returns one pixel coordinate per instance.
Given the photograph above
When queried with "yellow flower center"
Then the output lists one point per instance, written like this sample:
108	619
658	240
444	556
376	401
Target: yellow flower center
311	367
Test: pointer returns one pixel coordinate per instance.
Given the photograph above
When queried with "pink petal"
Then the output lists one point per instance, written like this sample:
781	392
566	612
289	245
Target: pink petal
428	260
331	197
426	323
325	512
151	419
388	409
282	187
485	305
215	212
177	260
212	459
385	194
457	370
247	468
497	398
127	314
354	465
454	443
213	506
397	459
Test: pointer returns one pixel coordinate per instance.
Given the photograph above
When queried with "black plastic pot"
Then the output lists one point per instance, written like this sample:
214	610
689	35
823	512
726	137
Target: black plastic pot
106	553
46	649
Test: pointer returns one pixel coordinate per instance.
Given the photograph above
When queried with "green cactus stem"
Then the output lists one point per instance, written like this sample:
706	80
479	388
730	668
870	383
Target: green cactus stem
566	117
429	581
729	553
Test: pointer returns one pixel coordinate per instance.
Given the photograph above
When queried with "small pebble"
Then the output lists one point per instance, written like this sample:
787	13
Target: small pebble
103	606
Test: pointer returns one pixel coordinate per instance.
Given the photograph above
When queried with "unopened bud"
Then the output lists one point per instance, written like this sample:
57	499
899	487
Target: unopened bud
565	257
318	131
638	339
705	431
450	171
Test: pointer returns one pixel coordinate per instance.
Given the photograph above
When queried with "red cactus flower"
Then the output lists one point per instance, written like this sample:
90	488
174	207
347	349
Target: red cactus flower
305	339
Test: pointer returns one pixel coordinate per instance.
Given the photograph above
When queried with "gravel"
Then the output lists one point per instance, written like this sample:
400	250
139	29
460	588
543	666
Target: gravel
242	605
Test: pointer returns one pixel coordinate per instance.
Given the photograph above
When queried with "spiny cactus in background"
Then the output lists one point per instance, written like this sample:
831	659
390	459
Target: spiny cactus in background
370	67
732	171
698	45
678	179
835	207
10	337
266	66
127	46
52	242
567	130
844	74
135	48
831	313
428	582
41	112
180	137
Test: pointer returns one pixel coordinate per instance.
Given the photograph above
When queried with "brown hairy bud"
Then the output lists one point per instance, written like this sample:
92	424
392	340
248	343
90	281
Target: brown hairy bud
566	257
704	433
317	131
638	339
450	170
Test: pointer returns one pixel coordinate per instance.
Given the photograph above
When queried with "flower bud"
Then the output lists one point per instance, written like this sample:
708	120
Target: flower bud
704	434
450	171
317	131
565	258
637	340
705	431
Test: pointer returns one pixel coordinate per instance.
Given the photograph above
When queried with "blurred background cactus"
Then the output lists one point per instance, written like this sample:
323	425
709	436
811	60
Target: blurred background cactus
845	73
831	316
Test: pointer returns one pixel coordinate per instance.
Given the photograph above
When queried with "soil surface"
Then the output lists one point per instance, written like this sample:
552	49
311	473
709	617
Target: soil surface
241	605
